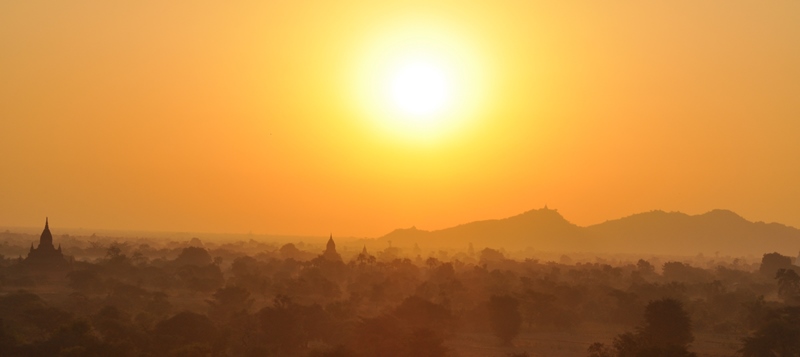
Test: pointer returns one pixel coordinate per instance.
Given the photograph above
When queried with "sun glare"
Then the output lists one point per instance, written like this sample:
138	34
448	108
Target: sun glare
419	84
420	90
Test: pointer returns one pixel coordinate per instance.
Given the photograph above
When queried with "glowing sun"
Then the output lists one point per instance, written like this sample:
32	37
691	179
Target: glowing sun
420	90
419	83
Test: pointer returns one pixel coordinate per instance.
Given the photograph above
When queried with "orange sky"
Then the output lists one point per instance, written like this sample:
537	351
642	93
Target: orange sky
210	117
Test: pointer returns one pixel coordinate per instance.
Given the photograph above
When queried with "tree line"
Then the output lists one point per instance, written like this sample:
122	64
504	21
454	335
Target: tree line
289	302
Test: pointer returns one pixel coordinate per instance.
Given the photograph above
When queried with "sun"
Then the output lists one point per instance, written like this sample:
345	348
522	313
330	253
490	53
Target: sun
420	90
416	92
420	83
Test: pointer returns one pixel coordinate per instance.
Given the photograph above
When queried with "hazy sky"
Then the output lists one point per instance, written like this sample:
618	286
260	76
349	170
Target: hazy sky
260	116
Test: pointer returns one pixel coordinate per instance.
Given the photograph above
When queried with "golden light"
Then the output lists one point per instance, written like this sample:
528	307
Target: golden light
420	89
418	83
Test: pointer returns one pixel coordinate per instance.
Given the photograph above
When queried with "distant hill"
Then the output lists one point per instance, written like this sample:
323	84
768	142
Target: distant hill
544	229
716	231
651	232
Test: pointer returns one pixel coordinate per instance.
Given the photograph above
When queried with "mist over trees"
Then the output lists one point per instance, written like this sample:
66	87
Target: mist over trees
249	298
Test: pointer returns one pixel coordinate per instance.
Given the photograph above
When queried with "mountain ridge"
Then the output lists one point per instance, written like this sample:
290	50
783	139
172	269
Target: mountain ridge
655	232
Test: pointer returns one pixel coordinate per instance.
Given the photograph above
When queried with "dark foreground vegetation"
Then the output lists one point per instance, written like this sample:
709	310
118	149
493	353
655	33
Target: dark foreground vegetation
254	299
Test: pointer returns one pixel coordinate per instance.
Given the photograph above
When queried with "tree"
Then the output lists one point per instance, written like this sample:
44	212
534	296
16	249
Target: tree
227	301
491	256
117	330
419	313
284	326
414	328
779	336
645	267
85	280
115	255
74	339
788	285
772	262
247	274
667	324
379	336
205	278
30	315
184	329
193	256
677	271
289	250
666	332
755	312
504	317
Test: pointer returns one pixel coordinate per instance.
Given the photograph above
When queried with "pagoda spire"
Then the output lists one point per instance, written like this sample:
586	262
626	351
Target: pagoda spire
331	245
46	239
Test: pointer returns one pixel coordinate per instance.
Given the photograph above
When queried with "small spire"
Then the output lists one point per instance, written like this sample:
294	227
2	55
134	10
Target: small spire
46	223
331	246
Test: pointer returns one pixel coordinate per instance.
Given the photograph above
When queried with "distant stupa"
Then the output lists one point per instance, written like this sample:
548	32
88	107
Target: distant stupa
330	251
46	255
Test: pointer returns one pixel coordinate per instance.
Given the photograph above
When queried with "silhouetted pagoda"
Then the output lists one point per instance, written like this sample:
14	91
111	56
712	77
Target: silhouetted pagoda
46	255
330	251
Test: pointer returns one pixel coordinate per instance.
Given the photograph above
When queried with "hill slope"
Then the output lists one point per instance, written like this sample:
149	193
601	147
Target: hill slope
650	232
678	233
544	229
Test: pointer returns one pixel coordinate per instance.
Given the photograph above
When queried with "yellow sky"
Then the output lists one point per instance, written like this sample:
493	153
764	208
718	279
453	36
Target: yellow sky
210	117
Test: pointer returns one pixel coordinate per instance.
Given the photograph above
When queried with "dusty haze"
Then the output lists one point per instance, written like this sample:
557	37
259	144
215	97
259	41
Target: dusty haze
235	118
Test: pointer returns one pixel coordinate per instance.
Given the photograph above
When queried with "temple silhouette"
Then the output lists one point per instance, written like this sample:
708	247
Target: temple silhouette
330	251
46	255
